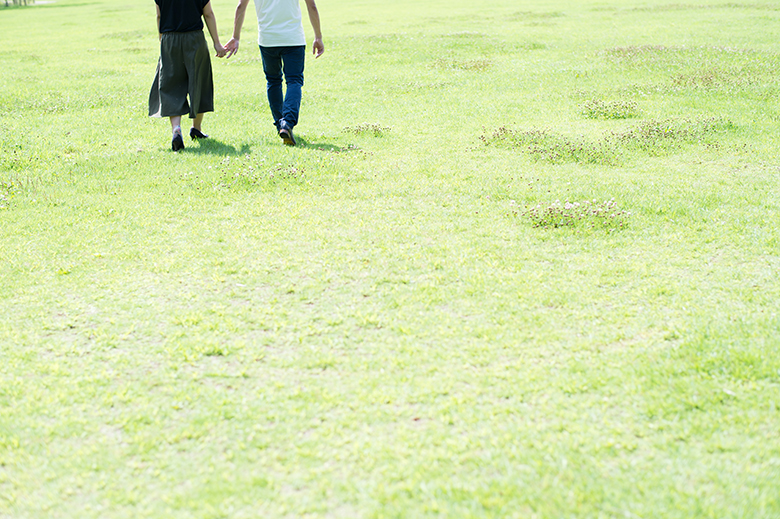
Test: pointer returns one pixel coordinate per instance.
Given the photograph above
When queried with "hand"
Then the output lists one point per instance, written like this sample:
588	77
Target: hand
231	47
317	48
221	51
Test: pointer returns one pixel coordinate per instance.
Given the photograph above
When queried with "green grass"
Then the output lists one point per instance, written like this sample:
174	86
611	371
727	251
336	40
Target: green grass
373	324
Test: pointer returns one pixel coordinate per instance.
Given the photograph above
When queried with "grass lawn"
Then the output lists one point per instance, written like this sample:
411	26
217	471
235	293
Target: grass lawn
524	263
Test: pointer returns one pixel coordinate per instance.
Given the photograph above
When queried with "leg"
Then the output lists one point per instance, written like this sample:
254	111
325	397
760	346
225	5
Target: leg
177	143
272	66
293	58
172	78
195	131
200	86
168	97
201	83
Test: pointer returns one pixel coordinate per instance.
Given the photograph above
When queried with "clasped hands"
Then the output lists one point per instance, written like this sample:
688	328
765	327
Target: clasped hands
221	51
231	47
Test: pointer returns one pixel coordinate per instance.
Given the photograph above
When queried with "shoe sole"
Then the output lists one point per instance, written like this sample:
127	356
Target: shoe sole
287	138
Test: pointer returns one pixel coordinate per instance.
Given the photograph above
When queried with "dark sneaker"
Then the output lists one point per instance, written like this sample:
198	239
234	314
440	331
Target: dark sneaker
197	134
177	143
285	132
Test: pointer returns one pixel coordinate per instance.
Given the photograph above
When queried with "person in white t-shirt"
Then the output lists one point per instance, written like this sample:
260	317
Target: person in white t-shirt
283	49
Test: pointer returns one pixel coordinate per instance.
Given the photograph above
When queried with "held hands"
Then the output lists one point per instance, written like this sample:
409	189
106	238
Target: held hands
231	47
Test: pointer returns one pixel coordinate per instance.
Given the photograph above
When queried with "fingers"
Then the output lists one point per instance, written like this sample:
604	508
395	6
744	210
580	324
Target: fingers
231	47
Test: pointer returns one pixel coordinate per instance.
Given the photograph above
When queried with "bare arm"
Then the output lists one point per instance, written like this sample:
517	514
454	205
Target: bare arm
211	23
318	48
238	23
159	34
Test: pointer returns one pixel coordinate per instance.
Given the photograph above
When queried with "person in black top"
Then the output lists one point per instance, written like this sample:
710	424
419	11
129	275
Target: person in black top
184	67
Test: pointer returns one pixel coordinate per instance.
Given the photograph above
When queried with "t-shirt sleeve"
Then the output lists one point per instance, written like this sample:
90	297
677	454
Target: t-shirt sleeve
203	4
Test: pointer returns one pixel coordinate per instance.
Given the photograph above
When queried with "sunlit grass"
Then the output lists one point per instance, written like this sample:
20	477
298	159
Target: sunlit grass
424	310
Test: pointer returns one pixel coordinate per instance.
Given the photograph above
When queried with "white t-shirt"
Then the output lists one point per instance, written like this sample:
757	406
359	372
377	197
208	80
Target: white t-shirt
279	23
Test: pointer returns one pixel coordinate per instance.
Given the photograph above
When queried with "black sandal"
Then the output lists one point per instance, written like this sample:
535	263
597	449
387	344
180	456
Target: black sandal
197	134
177	143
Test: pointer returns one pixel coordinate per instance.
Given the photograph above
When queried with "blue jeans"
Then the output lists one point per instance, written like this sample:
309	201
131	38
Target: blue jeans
288	61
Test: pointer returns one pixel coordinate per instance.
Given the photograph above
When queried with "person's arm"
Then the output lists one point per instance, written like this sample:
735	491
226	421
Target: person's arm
238	23
211	23
159	34
314	17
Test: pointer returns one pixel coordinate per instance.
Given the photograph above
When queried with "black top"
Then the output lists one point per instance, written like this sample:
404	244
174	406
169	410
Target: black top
181	15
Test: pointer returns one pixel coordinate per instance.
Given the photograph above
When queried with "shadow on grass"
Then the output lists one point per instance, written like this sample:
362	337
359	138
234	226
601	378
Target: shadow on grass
323	146
212	146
